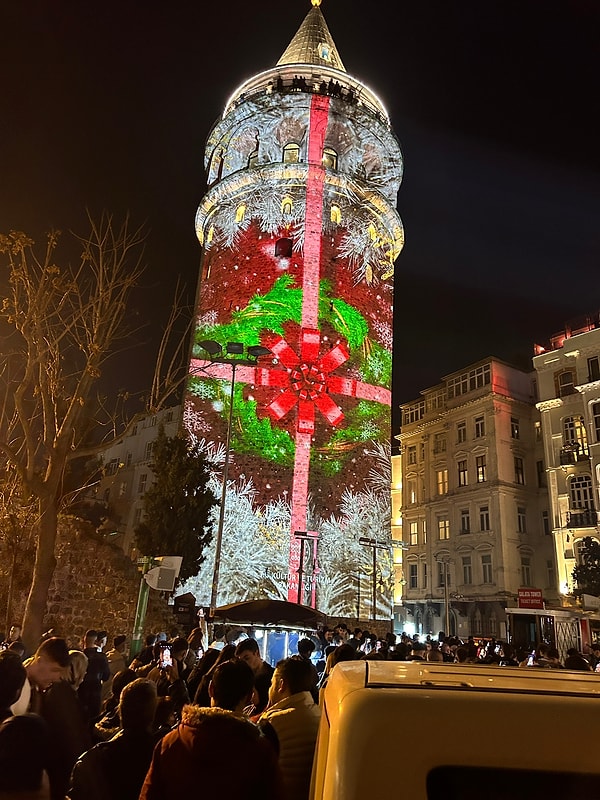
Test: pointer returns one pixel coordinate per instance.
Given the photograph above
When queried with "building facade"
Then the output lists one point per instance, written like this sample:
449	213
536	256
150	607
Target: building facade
299	234
475	519
568	376
126	476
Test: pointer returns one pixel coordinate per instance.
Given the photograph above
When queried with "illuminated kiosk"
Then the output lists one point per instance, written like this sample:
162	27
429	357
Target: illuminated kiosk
299	235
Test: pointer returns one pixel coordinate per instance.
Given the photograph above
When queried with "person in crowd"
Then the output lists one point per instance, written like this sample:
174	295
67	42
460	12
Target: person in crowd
344	652
18	648
291	721
434	654
356	638
195	651
210	742
24	739
202	696
98	671
249	652
116	769
575	660
109	722
70	736
117	662
204	664
14	635
508	655
47	665
417	652
146	654
305	649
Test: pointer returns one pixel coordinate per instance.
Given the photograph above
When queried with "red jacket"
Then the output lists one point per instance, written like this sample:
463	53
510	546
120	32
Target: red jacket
210	750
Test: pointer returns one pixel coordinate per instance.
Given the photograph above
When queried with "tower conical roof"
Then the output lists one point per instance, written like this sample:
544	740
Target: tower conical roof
313	43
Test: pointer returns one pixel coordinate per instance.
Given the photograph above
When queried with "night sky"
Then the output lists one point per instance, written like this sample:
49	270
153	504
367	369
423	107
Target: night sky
108	106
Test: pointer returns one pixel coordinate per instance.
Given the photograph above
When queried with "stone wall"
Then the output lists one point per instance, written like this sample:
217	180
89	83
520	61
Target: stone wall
96	586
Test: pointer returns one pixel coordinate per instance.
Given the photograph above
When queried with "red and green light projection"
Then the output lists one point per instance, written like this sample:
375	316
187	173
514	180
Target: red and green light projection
298	254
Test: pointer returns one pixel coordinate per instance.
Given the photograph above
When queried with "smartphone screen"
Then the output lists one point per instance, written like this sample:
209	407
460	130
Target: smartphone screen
165	659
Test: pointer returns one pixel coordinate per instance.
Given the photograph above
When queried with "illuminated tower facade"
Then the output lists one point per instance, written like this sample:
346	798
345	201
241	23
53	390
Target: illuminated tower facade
299	234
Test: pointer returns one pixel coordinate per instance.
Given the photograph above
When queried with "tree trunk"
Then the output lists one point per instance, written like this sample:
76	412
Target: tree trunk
9	596
43	572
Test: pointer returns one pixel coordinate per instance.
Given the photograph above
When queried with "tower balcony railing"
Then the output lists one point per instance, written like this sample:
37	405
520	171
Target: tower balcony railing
571	455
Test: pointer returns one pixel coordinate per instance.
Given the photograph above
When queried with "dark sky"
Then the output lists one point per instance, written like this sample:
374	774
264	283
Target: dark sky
108	106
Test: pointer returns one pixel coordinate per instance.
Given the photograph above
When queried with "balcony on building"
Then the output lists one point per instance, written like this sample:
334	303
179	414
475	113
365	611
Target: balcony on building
585	518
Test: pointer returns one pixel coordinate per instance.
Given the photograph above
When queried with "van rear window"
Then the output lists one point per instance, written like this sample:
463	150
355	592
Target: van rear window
492	783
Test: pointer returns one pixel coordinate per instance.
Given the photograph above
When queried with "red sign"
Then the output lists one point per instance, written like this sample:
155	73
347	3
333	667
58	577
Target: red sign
530	598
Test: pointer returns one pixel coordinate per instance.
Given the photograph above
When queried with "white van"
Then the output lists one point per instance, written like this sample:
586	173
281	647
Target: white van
436	731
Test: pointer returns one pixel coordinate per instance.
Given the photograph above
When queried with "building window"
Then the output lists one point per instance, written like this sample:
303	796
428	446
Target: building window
546	523
287	206
462	473
425	577
574	434
479	427
465	521
484	518
461	432
541	474
137	516
413	413
413	576
538	431
469	381
414	533
581	492
424	529
411	490
330	158
142	483
593	369
283	248
439	443
443	528
112	467
467	570
486	568
128	460
521	520
411	455
148	450
336	214
596	416
480	469
564	383
526	571
442	481
515	432
291	153
442	574
122	488
519	471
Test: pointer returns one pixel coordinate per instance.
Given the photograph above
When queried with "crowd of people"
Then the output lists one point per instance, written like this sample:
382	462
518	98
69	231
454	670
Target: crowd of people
87	722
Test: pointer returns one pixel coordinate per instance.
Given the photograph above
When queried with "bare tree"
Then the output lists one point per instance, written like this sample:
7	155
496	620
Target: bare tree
59	326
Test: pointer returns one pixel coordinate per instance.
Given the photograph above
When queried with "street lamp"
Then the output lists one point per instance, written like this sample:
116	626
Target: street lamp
234	355
446	563
376	544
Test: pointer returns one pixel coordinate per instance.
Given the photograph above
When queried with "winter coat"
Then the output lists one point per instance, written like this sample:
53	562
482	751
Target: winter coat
213	748
295	721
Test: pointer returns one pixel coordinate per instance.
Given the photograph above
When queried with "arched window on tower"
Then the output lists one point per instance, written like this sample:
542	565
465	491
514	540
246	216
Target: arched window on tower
336	214
283	248
287	205
330	158
253	159
291	153
240	212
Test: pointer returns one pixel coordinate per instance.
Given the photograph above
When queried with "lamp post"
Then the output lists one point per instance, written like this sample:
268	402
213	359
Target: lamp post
446	565
235	353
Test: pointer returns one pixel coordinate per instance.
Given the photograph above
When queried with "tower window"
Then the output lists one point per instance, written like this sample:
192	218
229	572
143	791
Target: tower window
336	214
286	205
291	153
283	248
330	158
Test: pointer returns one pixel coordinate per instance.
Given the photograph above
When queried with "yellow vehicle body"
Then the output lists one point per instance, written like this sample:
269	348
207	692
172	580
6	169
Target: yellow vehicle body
420	730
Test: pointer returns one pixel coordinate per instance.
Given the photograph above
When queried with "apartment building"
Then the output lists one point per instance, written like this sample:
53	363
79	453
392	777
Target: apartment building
126	476
475	515
568	376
